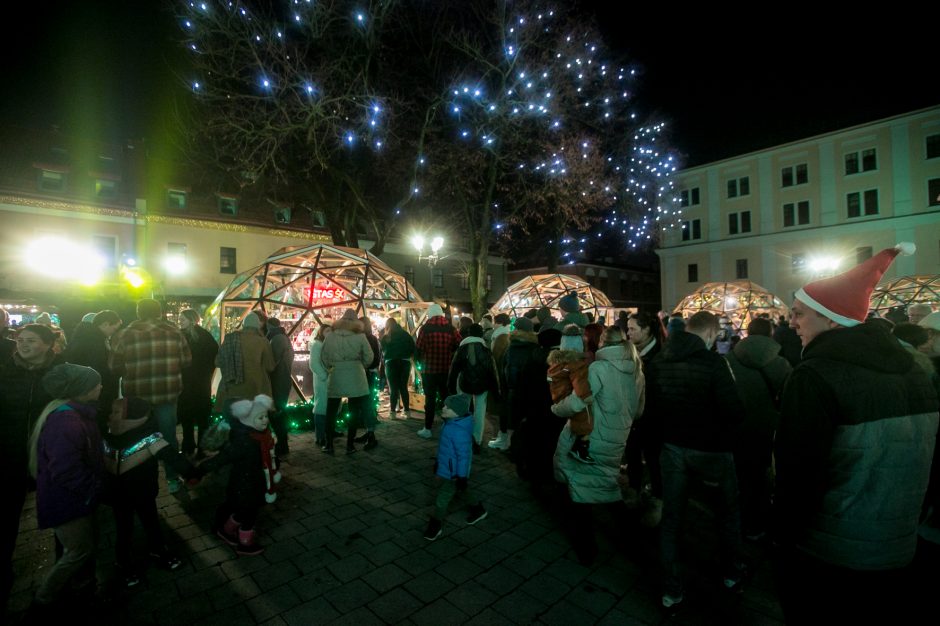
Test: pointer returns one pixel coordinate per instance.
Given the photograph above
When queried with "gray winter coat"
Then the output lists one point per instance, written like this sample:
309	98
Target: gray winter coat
618	386
346	354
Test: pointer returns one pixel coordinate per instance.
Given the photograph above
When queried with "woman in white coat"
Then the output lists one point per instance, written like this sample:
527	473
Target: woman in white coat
618	388
320	378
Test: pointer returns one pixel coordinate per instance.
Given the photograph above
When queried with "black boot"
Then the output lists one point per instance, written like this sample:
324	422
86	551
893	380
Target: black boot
350	439
371	441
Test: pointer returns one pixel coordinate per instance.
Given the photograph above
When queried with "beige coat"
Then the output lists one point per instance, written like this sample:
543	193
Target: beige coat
257	363
346	354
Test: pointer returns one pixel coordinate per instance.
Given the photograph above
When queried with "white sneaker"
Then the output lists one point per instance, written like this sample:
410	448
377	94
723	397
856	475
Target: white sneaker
407	414
500	443
425	433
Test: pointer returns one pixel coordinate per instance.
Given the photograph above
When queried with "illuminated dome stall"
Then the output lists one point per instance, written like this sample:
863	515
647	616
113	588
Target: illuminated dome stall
739	301
905	291
533	292
305	286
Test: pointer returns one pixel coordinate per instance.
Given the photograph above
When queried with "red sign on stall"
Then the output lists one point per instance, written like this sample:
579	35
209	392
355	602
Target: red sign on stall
327	291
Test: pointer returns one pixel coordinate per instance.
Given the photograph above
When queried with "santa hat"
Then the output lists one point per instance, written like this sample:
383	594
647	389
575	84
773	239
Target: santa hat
246	411
845	298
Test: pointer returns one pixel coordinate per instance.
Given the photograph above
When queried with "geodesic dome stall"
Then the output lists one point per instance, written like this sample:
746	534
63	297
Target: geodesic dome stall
905	291
533	292
740	301
305	286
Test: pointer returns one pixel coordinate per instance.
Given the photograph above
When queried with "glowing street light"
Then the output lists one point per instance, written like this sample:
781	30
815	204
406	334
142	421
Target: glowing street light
437	242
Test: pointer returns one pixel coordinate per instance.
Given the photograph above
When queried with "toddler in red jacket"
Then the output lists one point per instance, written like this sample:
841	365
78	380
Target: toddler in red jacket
567	373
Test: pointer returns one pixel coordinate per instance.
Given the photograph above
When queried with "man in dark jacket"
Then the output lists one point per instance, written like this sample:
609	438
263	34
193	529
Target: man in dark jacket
522	343
437	342
759	373
690	391
473	372
790	346
858	426
281	383
89	346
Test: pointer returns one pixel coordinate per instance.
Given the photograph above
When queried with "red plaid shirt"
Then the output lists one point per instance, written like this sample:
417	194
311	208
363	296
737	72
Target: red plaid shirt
150	356
437	342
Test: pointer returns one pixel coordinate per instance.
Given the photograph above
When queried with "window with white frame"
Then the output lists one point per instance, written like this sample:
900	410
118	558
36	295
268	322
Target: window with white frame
796	213
741	268
52	181
691	230
228	261
689	197
175	199
861	161
228	205
739	222
932	144
794	175
933	192
739	187
860	203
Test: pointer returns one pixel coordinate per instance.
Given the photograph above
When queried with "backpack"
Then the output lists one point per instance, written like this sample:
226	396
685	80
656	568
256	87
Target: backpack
478	373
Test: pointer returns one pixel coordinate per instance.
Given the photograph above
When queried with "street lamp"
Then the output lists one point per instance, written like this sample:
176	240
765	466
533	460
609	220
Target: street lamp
437	242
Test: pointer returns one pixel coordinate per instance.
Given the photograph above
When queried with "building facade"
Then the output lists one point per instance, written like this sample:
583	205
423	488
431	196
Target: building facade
97	224
783	216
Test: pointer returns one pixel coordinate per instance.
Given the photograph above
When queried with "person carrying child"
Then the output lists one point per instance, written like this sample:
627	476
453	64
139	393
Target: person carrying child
567	373
253	475
132	448
454	453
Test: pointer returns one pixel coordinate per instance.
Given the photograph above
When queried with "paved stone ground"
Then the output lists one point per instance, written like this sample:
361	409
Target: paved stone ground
344	545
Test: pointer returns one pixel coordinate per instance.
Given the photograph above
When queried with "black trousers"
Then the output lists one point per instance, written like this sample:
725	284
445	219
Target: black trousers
397	372
146	510
9	529
435	385
357	406
646	443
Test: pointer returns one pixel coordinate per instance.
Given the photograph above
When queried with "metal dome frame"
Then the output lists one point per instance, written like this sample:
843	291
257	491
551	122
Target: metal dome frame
905	291
740	301
533	292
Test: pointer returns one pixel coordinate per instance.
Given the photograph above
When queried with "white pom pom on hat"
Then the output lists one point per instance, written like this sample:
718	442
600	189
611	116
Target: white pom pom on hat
845	298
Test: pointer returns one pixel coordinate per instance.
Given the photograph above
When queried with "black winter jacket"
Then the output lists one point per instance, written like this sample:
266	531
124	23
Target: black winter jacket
473	368
89	347
22	399
691	393
246	481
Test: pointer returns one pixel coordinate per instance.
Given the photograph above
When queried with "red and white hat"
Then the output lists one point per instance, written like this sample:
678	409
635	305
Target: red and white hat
845	298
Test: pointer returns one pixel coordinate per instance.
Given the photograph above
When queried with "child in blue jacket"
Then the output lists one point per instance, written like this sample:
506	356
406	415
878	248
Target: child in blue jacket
454	452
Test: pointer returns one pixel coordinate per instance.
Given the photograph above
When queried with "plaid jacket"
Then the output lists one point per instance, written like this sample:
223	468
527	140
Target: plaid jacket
150	356
437	342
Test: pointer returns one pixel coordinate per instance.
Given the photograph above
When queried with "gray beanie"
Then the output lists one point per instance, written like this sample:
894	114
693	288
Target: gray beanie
68	381
252	321
458	403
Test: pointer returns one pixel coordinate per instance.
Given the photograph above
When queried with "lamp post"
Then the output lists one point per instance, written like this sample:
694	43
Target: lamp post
436	243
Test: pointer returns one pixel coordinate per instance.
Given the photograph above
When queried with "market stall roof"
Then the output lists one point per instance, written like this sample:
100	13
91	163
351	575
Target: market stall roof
317	282
905	291
533	292
739	301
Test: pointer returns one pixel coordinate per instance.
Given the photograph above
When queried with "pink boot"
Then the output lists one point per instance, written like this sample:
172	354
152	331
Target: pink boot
229	531
248	543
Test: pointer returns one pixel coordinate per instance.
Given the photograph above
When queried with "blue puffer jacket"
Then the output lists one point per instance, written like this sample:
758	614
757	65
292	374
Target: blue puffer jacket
455	449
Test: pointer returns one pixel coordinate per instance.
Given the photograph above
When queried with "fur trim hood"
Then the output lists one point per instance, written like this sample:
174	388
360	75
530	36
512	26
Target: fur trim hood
523	335
353	326
563	357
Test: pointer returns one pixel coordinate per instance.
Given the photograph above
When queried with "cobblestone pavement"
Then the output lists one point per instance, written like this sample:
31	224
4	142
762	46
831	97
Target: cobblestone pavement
344	545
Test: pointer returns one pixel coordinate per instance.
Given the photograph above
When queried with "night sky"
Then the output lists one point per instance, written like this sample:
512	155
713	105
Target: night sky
727	79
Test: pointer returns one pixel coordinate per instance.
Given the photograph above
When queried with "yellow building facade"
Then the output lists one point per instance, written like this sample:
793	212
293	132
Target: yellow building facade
783	216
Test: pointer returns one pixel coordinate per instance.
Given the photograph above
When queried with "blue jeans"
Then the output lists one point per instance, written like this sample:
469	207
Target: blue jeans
680	466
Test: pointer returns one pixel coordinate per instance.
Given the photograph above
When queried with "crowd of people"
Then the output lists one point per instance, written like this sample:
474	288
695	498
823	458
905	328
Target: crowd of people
816	435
